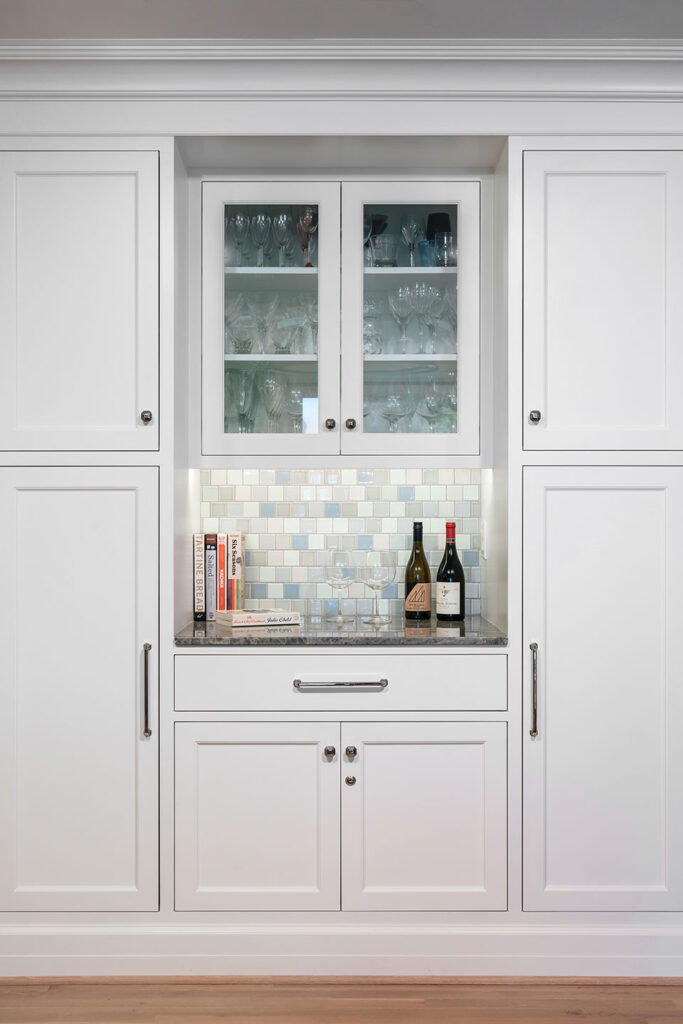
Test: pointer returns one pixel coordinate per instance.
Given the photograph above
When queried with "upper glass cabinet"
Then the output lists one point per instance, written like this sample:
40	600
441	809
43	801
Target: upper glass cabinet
270	317
404	376
410	314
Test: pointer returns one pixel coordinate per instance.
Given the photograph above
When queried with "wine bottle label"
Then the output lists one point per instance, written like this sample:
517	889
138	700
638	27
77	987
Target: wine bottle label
447	598
420	598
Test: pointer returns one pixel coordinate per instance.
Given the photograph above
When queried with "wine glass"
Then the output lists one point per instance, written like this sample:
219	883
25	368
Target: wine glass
273	399
260	230
283	337
420	301
281	227
402	310
450	391
377	574
306	226
433	315
262	306
396	403
238	232
241	332
411	231
241	398
339	574
293	401
429	408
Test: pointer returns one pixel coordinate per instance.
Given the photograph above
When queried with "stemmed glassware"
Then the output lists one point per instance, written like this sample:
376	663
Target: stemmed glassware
420	301
396	403
273	399
411	232
450	391
240	398
260	231
282	225
293	402
372	334
377	574
433	315
238	231
432	401
262	306
402	310
307	225
339	575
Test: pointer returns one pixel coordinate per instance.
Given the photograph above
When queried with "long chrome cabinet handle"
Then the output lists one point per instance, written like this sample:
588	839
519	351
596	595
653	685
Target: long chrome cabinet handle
370	684
533	731
147	732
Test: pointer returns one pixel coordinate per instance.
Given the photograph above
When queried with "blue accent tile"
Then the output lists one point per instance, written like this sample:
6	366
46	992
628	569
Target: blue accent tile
267	509
470	558
331	606
291	590
331	508
258	590
366	476
283	476
390	592
406	494
365	542
299	541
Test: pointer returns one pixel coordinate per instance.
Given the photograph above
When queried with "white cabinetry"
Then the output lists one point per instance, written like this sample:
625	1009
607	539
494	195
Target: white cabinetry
424	822
603	306
78	603
603	599
257	816
79	300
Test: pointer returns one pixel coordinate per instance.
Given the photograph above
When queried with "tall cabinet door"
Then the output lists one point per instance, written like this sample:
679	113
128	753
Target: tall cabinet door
603	304
424	811
78	604
257	816
603	602
79	300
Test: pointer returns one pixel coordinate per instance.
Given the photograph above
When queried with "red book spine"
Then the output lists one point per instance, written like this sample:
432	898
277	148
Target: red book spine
222	604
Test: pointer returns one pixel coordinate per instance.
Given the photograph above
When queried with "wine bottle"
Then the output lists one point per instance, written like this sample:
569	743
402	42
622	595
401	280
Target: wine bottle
450	582
418	593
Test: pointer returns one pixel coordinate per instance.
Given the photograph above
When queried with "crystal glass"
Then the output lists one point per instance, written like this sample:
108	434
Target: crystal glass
377	574
282	228
446	253
240	334
411	232
420	299
429	408
402	309
260	233
339	575
396	402
237	232
241	397
385	251
293	404
273	396
263	306
450	404
307	225
433	315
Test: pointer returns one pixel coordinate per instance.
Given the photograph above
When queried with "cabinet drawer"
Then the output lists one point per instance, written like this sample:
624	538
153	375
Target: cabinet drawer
351	682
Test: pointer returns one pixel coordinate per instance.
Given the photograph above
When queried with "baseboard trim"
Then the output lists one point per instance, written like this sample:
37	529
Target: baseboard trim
340	980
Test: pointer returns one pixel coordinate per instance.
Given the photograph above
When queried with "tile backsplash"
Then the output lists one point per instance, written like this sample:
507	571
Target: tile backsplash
292	518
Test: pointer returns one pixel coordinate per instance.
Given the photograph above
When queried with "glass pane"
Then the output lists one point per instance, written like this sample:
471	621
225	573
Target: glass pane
410	299
271	319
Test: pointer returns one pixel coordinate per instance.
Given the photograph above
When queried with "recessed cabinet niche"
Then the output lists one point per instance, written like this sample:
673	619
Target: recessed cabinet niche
368	346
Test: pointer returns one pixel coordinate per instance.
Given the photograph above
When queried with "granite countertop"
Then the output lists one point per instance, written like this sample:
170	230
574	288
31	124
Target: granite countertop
473	632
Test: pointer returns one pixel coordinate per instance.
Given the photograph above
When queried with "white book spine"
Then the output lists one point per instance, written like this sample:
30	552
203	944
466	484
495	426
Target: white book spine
199	580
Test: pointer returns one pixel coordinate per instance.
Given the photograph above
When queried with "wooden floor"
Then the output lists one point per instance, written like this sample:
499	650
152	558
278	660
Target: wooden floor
360	1001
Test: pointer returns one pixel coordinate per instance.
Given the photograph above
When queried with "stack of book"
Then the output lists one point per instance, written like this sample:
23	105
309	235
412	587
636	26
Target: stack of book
218	574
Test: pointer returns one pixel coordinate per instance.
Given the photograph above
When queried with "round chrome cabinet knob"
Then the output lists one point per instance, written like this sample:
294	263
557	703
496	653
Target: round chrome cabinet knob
534	416
350	424
350	780
329	751
146	416
330	423
351	752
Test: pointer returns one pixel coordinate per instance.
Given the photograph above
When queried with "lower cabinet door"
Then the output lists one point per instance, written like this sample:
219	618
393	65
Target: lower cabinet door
603	754
79	770
257	816
424	816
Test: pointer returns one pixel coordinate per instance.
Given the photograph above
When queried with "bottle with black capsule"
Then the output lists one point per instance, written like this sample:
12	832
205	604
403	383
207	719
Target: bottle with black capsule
450	582
418	589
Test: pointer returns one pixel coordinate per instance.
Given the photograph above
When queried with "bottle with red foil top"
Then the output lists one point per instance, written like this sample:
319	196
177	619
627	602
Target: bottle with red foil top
450	582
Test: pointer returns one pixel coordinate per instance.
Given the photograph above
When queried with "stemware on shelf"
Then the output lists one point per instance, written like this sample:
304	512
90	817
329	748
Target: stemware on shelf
378	573
429	407
385	251
450	405
433	315
240	332
273	394
446	253
396	403
240	397
339	575
372	331
402	310
260	231
293	405
263	306
307	225
411	232
281	228
420	301
282	336
238	232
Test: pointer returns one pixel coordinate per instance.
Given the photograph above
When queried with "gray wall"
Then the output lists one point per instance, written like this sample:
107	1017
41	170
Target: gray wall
262	19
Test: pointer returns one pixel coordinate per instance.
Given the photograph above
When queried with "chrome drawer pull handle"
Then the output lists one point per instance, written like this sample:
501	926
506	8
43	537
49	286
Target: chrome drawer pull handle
371	684
533	731
146	732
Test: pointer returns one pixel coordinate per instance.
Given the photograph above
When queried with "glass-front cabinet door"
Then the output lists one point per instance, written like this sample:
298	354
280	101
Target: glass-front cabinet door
410	318
270	317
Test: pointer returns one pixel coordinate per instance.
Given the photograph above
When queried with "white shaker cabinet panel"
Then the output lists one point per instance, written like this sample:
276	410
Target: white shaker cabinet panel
257	816
603	600
78	603
603	303
79	299
425	821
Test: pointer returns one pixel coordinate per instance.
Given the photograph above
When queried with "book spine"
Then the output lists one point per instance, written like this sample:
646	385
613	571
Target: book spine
211	576
222	601
235	571
199	583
